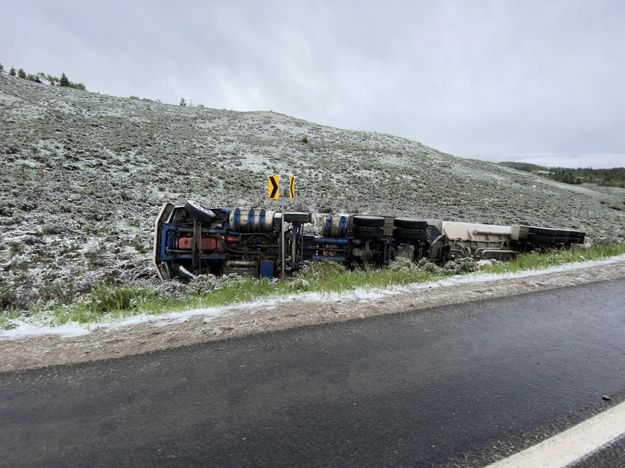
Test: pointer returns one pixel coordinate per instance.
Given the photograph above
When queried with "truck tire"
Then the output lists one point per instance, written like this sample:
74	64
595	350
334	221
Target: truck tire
201	214
368	232
297	217
368	221
407	223
409	235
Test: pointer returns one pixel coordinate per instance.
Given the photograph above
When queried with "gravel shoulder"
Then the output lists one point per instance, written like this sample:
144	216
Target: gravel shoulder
183	329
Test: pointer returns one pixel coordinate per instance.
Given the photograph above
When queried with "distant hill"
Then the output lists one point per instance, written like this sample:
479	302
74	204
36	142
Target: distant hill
614	177
84	175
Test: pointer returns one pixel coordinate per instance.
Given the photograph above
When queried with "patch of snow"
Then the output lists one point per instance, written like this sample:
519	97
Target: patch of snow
28	329
293	129
255	162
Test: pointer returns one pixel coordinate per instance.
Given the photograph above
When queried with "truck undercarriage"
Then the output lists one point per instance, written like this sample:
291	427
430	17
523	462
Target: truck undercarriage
190	240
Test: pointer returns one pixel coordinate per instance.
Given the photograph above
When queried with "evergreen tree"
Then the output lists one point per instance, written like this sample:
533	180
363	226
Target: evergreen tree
21	73
64	81
183	102
1	68
12	71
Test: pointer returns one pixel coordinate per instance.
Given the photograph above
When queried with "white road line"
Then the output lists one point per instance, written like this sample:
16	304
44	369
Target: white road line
573	444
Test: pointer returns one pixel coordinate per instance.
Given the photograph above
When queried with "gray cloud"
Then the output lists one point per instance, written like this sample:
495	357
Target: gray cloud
484	79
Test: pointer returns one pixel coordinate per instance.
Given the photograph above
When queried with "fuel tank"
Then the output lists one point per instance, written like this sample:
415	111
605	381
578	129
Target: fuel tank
335	226
251	220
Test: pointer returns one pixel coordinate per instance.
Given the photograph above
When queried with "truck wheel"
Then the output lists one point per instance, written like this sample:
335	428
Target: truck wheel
196	211
368	232
407	223
368	221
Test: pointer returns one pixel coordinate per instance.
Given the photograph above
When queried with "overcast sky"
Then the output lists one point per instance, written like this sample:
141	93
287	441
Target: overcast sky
540	81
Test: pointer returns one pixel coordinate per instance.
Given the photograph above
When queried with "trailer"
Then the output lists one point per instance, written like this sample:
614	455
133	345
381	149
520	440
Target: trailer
190	240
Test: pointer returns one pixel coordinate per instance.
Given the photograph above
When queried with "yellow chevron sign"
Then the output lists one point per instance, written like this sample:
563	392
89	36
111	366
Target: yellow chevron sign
273	187
291	187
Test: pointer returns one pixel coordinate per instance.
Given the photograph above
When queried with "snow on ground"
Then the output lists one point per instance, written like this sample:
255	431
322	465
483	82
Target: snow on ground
28	328
79	166
30	347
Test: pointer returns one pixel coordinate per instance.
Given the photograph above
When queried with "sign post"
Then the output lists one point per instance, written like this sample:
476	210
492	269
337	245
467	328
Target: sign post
293	236
282	246
273	191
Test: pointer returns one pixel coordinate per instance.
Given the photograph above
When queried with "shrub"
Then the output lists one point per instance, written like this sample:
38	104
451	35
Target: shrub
139	245
53	80
7	298
94	258
50	229
321	270
403	263
460	265
107	298
204	284
429	267
298	285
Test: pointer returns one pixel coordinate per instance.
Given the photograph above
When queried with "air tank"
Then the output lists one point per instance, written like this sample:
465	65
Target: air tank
251	220
335	226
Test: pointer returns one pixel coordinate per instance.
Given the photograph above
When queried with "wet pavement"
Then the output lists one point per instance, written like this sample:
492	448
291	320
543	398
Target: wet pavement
458	385
610	456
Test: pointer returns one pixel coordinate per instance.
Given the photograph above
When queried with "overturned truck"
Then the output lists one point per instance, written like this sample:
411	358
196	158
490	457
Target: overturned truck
190	240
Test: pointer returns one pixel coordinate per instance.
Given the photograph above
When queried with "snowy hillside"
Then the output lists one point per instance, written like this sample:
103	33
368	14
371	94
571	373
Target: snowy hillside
83	176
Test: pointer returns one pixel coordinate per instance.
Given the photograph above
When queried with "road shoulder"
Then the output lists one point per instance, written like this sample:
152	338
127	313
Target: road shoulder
175	330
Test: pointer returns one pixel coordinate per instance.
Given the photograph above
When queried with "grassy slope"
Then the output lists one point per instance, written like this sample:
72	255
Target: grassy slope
84	175
116	302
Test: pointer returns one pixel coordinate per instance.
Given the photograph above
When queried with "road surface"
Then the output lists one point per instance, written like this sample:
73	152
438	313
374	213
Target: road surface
455	385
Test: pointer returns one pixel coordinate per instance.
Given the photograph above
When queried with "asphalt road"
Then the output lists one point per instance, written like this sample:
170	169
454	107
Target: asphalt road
451	385
610	456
